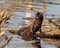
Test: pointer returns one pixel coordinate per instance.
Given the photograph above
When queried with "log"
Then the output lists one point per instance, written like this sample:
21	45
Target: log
54	36
28	36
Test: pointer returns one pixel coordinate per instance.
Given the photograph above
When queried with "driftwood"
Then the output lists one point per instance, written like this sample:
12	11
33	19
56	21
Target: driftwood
54	36
28	36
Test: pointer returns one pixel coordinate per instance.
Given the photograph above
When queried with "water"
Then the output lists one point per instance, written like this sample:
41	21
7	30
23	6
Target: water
17	42
47	45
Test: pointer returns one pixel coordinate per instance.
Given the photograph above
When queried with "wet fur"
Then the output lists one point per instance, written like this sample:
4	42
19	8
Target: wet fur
28	32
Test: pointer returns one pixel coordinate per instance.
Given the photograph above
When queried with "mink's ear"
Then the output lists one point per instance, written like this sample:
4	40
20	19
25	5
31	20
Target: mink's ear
37	14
